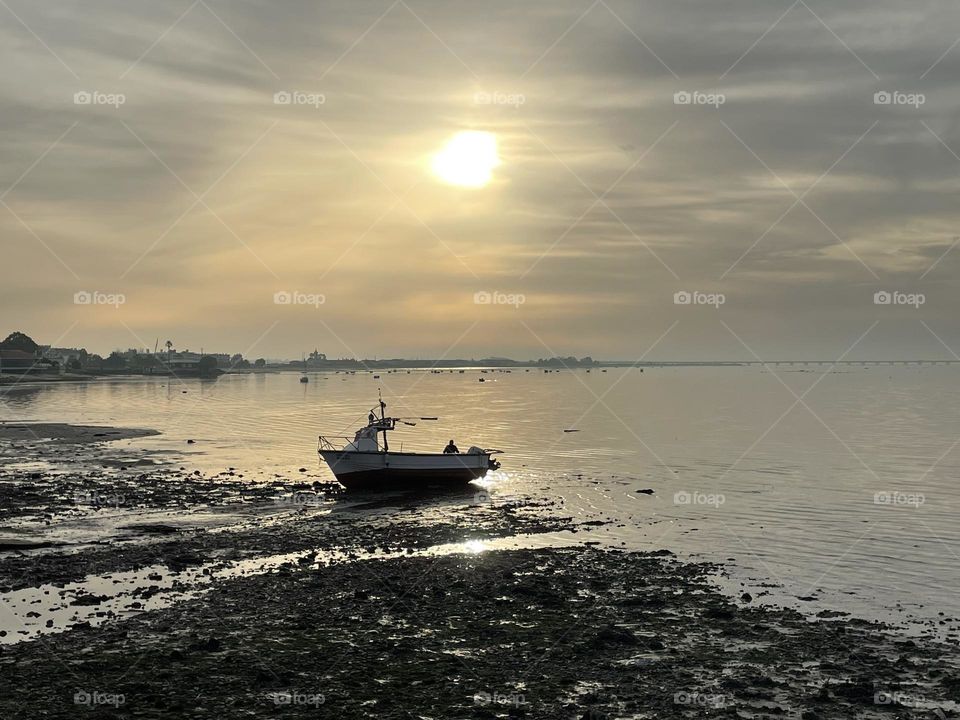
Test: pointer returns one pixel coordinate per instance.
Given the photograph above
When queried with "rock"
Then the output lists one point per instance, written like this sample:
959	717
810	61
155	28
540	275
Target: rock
746	597
615	635
90	600
154	529
594	714
719	612
209	645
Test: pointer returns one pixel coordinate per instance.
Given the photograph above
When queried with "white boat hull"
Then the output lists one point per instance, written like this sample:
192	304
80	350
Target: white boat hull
385	470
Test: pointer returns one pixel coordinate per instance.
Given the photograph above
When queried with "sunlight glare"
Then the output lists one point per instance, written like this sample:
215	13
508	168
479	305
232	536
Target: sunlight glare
468	159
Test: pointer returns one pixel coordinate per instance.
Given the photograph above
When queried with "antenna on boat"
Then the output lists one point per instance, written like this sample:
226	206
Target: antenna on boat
383	417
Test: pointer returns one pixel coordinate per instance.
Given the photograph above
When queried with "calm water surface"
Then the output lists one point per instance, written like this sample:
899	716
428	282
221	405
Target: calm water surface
848	495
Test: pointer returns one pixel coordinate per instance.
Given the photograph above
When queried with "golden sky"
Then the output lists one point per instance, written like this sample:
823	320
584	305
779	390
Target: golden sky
472	179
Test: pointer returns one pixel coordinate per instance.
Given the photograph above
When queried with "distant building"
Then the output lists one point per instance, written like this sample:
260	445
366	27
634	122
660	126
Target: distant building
63	356
183	363
20	362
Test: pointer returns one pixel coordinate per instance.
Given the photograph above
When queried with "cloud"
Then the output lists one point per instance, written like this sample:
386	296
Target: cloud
337	195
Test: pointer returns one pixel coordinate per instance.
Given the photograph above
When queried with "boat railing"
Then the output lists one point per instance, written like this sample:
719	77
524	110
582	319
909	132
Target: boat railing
325	442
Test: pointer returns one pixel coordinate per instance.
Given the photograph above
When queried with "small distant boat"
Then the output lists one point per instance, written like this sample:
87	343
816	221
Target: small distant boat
365	463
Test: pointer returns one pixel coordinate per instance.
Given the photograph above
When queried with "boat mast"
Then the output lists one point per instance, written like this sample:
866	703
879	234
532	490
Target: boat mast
383	419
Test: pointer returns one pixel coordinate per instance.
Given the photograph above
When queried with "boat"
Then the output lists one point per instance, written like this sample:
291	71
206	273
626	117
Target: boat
367	463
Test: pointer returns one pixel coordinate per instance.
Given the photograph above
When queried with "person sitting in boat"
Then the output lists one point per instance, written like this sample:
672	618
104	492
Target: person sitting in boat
451	449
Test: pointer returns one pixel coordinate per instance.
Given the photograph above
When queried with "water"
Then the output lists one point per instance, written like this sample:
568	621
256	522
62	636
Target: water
847	496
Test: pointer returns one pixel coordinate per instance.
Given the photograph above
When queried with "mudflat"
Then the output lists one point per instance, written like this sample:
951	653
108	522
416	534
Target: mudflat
141	588
66	433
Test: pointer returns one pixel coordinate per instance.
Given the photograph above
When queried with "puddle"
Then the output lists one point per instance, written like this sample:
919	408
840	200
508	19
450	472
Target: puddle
53	608
31	612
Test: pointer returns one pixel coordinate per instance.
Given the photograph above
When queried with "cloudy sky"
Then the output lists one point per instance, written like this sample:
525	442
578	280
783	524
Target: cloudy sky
736	150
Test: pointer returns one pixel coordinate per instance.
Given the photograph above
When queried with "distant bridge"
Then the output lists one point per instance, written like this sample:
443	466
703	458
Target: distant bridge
778	363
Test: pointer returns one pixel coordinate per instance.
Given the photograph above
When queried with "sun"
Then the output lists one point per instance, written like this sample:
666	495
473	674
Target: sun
468	159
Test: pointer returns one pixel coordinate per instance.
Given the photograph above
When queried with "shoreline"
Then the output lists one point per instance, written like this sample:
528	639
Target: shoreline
611	634
207	595
69	433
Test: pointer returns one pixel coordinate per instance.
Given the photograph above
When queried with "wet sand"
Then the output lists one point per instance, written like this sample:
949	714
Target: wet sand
262	596
64	433
576	633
